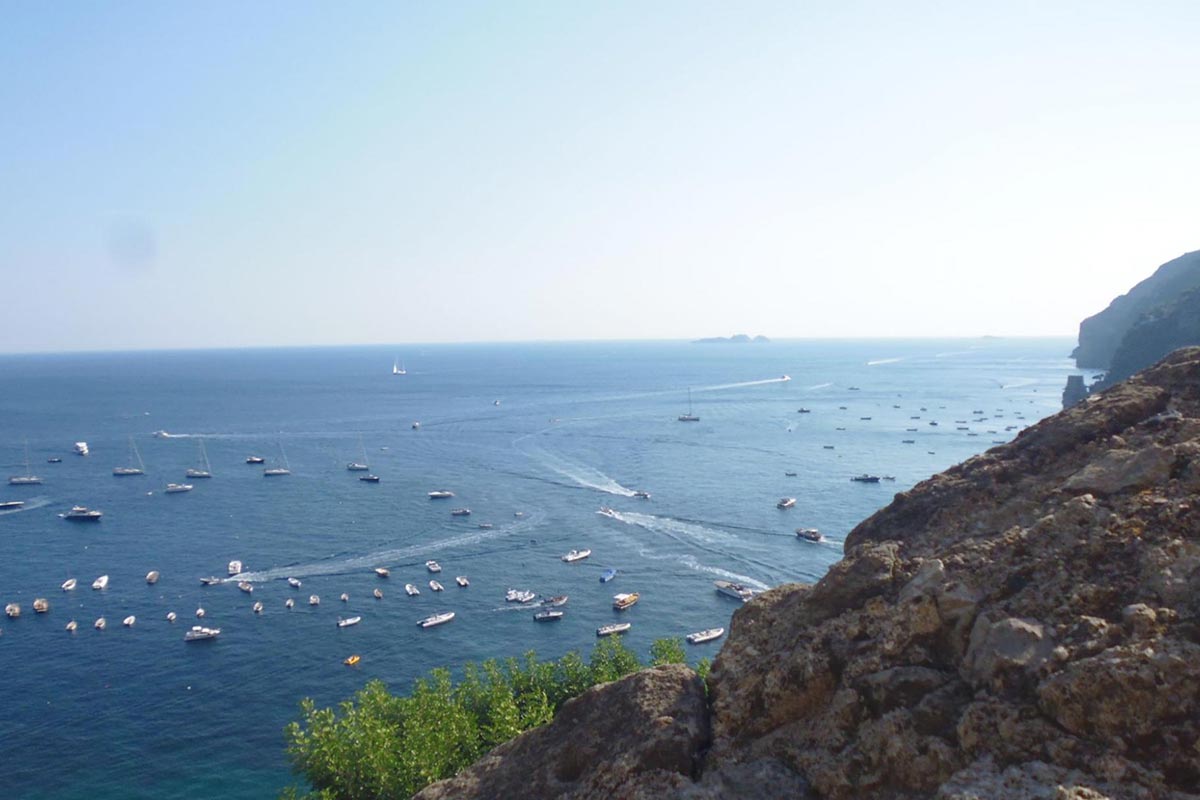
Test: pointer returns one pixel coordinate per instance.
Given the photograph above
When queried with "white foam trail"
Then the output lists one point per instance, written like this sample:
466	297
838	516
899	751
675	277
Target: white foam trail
1018	383
30	505
721	386
879	361
381	557
674	527
691	563
825	385
582	474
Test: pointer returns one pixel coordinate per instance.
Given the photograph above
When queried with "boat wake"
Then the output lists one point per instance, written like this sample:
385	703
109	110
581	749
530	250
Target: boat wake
721	386
879	361
825	385
1018	383
716	542
581	474
30	505
691	562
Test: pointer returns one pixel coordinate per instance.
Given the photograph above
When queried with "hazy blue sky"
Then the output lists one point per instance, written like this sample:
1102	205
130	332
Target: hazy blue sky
218	173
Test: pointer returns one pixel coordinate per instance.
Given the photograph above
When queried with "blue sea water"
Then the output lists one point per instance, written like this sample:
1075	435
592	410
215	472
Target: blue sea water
551	430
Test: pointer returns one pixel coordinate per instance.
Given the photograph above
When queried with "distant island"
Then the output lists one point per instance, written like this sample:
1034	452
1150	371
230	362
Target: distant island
737	338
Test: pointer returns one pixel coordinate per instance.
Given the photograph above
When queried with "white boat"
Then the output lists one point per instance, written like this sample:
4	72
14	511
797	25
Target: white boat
289	603
615	627
700	637
576	555
12	610
246	587
382	572
865	478
642	494
211	580
72	626
100	624
378	593
624	600
605	511
171	616
200	633
809	534
294	583
558	600
461	580
786	502
134	458
689	416
785	378
81	448
461	512
11	505
258	607
359	466
255	459
346	623
176	488
398	368
41	605
440	494
286	469
129	621
199	613
100	583
205	469
314	600
69	584
152	577
83	514
28	478
485	526
437	587
735	590
520	596
345	598
608	575
416	426
433	566
436	619
235	567
548	616
410	590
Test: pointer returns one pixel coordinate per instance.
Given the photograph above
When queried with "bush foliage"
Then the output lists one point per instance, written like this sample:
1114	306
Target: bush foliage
379	746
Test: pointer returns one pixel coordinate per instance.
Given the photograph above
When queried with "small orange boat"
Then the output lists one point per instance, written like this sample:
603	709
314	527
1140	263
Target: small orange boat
352	660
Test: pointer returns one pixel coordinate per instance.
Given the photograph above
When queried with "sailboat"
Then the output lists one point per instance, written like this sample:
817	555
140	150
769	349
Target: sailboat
135	458
271	472
359	466
689	416
28	478
205	469
398	368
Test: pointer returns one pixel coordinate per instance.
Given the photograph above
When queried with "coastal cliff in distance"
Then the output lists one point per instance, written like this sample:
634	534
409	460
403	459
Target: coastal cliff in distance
1023	625
1101	335
737	338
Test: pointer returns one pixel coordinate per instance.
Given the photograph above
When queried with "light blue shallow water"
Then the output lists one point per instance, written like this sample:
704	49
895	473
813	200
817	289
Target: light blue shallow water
136	713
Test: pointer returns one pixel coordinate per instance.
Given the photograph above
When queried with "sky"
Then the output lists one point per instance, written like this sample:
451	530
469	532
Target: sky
226	174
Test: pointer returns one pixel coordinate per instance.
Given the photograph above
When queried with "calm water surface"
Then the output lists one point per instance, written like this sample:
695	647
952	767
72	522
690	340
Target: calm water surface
554	431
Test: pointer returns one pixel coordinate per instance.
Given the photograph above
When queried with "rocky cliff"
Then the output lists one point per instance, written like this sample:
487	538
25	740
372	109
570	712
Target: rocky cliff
1100	335
1158	332
1024	625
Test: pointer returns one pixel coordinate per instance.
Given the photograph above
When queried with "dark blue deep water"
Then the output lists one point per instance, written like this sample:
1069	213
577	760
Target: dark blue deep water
137	713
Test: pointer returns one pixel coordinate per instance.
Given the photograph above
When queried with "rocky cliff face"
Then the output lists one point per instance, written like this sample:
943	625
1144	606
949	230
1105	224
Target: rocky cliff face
1100	335
1024	625
1154	335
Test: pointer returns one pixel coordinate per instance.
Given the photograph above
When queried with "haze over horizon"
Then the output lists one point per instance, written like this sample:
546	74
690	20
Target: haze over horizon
303	174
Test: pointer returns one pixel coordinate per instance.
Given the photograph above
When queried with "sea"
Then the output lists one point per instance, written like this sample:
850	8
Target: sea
533	438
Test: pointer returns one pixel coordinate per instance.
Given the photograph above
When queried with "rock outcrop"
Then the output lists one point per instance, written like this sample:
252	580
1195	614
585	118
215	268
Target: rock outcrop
1024	625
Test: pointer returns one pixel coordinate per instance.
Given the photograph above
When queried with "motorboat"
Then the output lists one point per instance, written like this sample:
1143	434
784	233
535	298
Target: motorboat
461	512
211	580
200	613
440	494
642	494
54	460
355	466
416	426
81	449
809	534
69	584
786	502
294	583
171	617
41	605
624	600
462	581
135	458
369	478
378	593
12	610
789	474
152	577
865	478
607	575
345	598
176	488
352	660
576	555
199	633
433	566
161	435
314	600
485	526
271	472
495	402
785	378
803	411
346	623
548	616
519	596
700	637
436	619
72	626
735	590
519	514
557	600
382	572
129	621
83	514
12	505
257	607
410	590
235	567
255	460
246	587
437	587
613	628
289	603
605	511
100	583
100	624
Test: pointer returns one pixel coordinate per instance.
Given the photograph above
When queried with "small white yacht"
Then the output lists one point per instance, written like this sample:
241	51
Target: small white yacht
100	624
437	587
642	494
605	511
176	488
235	567
440	494
433	566
171	616
246	587
289	603
72	626
809	534
557	600
257	607
100	583
461	580
548	616
436	619
41	605
378	593
152	577
346	623
205	469
461	512
345	598
615	627
576	555
129	621
69	584
12	610
735	590
786	502
211	580
135	458
700	637
382	572
81	448
200	633
199	613
410	590
83	514
294	583
314	600
11	505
